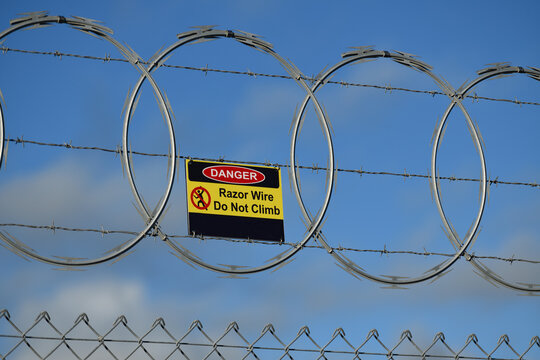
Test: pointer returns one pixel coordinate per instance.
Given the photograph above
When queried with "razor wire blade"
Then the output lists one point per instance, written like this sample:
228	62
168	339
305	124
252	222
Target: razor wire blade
314	223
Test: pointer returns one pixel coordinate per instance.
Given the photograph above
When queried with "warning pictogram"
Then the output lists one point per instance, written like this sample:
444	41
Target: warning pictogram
234	200
200	198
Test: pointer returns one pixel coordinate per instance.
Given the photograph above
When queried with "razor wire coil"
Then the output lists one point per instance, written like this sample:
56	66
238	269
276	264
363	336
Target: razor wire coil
313	223
93	28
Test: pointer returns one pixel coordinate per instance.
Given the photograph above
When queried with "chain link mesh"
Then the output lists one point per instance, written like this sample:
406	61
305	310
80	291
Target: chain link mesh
44	340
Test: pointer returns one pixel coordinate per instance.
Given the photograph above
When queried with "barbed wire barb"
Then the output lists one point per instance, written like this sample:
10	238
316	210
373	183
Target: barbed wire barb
388	89
407	175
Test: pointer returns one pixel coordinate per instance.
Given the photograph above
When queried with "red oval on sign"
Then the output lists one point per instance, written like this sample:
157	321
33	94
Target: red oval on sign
233	174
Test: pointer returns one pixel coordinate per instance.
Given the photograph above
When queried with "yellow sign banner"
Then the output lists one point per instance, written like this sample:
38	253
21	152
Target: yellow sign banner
234	200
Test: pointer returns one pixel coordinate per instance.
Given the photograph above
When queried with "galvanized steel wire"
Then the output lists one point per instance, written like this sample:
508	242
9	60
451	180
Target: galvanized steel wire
313	223
53	227
20	140
388	88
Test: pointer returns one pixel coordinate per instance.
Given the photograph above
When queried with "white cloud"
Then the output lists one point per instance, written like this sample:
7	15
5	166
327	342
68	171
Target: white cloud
65	190
102	300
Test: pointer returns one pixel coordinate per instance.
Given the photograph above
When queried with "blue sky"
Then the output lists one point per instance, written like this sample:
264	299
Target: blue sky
248	118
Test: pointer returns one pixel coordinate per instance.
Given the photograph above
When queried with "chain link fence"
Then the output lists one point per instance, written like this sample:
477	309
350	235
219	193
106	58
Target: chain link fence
44	340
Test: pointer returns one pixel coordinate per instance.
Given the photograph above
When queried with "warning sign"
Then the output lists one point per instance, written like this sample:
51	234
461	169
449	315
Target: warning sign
198	196
234	200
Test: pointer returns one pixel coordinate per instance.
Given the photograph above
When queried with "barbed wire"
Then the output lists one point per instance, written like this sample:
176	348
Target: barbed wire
232	342
381	252
206	70
118	150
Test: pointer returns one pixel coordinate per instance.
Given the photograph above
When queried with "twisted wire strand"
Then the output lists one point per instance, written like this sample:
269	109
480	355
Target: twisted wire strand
118	150
206	69
381	252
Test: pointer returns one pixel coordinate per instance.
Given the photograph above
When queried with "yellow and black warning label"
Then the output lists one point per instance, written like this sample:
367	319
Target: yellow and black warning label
234	200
